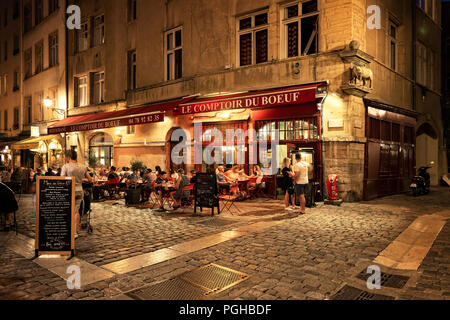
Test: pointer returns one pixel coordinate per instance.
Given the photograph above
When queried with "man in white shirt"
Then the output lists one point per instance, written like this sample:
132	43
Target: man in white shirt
301	181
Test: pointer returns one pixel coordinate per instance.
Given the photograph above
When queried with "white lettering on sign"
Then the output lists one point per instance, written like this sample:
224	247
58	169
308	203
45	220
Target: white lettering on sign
336	123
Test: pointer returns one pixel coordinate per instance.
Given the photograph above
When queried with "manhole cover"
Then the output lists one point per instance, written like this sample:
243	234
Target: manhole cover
351	293
217	222
387	280
175	289
214	278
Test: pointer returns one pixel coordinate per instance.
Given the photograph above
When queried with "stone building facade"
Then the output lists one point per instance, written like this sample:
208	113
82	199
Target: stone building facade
382	85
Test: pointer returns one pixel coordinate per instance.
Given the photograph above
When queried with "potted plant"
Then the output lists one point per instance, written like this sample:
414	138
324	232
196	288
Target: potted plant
133	194
93	161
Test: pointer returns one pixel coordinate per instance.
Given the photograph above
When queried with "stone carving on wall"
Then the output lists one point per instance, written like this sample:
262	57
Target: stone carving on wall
360	77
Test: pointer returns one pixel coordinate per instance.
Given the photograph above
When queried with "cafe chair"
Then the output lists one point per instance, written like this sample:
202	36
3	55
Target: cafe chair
187	201
228	200
252	188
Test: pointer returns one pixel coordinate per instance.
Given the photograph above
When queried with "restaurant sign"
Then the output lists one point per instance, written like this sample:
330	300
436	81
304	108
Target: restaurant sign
255	100
108	123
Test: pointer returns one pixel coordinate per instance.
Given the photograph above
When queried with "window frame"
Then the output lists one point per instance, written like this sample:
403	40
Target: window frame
39	59
285	21
252	30
29	109
101	87
394	41
53	58
96	27
53	5
79	34
421	64
172	51
132	70
38	15
79	87
40	106
28	63
16	118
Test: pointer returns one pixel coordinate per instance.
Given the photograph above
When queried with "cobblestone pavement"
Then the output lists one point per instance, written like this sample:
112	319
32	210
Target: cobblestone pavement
304	257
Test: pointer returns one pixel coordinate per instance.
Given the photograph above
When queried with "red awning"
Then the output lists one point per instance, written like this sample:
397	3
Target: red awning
252	100
121	118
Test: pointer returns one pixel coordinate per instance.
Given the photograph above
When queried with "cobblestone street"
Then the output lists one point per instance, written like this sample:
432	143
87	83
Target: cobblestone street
287	256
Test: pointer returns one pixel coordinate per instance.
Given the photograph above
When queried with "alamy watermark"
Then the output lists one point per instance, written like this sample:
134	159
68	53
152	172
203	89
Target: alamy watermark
374	281
74	280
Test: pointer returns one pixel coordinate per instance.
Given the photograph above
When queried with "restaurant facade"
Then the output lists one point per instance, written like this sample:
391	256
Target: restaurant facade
337	96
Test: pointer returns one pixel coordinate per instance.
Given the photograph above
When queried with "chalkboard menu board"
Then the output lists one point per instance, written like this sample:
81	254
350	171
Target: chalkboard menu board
55	200
206	192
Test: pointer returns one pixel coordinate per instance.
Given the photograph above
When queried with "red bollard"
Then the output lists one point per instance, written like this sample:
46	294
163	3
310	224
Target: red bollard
333	192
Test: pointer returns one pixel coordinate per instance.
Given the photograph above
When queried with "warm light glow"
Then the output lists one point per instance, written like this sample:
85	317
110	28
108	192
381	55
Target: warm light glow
225	115
48	102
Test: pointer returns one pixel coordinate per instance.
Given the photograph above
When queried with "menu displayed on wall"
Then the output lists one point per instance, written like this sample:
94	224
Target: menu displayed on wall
206	192
55	200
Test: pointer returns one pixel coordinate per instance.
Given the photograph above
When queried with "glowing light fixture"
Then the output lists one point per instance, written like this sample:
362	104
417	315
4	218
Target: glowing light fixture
48	102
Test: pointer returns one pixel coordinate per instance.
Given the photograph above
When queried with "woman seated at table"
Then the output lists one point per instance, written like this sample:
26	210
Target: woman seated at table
180	183
257	173
134	178
223	181
147	186
234	176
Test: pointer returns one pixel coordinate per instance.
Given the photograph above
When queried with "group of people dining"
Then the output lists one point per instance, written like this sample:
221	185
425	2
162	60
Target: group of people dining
237	182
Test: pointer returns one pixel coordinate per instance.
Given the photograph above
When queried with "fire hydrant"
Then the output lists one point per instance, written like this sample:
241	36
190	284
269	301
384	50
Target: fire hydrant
333	192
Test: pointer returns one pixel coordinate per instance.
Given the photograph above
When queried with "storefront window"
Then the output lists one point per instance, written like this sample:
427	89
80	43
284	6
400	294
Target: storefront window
290	130
101	148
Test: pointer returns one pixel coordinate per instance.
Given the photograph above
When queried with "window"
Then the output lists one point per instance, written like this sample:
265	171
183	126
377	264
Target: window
81	93
131	129
300	129
300	29
39	51
16	85
253	39
38	12
16	118
28	63
5	120
428	6
16	45
27	17
53	49
82	37
5	48
132	10
5	85
99	30
431	68
393	36
99	87
174	54
421	64
132	70
29	110
16	8
40	106
52	6
5	17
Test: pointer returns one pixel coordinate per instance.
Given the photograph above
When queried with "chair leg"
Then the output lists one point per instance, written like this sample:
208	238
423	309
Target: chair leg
15	223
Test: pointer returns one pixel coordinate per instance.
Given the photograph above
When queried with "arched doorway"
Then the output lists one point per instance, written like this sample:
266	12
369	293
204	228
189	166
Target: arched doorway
427	152
101	148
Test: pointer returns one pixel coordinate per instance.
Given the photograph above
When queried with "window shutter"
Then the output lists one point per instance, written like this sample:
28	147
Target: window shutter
76	101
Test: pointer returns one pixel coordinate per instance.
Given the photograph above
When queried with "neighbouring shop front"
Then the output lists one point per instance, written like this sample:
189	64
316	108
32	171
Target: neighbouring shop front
39	152
390	150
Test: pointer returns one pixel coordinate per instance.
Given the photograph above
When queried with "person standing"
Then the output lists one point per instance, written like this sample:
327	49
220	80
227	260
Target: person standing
301	181
74	169
288	184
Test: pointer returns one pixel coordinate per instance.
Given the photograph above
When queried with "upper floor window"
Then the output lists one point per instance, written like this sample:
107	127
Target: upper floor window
81	91
253	39
174	54
29	110
16	118
16	84
27	17
99	30
40	106
16	8
5	85
393	37
52	6
5	120
421	64
429	6
5	51
16	44
28	61
82	38
39	51
132	69
53	49
99	87
132	10
300	29
38	12
431	68
5	17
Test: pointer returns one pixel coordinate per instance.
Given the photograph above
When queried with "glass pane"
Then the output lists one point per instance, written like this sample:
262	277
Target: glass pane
245	49
292	41
170	41
291	11
309	6
170	66
178	38
178	64
261	19
245	23
393	32
261	46
309	35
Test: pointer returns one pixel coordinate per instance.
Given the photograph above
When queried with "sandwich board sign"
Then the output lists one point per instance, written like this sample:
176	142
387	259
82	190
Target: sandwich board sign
55	213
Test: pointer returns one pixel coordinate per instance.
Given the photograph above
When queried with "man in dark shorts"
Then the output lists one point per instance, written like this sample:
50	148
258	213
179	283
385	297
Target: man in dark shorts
301	181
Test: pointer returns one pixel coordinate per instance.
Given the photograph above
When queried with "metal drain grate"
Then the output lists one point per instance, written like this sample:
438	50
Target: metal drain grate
214	278
351	293
175	289
387	280
198	284
217	222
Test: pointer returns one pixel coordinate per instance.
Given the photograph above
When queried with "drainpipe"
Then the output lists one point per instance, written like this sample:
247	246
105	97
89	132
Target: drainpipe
414	54
66	62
